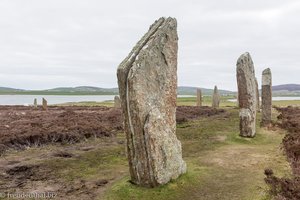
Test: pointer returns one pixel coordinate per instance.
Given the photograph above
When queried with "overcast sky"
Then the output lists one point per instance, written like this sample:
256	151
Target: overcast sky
52	43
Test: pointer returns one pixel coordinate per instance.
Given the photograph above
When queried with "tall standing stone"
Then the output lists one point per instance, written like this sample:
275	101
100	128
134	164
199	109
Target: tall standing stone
237	101
257	96
247	95
35	102
266	96
117	102
147	81
45	104
216	98
199	97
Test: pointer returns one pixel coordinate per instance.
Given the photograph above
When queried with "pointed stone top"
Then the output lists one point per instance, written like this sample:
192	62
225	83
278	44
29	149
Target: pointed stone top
245	63
245	57
216	89
267	71
162	25
267	77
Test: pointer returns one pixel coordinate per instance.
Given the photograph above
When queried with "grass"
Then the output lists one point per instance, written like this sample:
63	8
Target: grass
206	101
172	190
89	103
89	164
187	101
287	103
221	164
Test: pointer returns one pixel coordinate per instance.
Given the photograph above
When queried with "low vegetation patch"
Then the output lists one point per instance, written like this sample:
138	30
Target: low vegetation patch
288	187
23	126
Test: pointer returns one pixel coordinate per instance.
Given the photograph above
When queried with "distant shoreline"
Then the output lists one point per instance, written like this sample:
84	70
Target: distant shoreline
57	93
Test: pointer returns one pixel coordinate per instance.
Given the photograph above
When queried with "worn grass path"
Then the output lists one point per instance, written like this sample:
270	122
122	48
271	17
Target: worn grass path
221	165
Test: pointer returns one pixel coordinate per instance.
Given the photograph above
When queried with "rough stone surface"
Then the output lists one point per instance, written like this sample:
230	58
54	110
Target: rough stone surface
35	103
117	102
257	96
266	91
199	97
216	98
247	95
44	104
147	81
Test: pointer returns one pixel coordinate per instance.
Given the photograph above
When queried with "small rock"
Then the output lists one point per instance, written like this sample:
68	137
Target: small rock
101	182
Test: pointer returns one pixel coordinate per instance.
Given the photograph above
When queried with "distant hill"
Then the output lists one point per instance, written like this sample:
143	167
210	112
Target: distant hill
278	90
186	90
89	90
287	87
9	89
83	89
286	90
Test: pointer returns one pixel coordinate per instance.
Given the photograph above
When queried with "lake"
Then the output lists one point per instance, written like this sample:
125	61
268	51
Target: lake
275	99
55	99
52	99
58	99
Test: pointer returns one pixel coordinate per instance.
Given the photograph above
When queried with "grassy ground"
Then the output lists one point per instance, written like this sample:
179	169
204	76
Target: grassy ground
221	165
191	101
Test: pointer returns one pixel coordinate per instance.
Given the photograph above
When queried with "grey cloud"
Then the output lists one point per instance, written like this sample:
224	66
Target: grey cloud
52	43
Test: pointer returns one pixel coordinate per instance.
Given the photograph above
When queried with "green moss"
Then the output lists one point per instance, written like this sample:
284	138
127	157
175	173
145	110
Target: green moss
125	190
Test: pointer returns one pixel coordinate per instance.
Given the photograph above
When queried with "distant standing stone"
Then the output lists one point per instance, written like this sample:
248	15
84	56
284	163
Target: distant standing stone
216	98
237	99
35	102
247	95
117	102
45	106
257	96
266	91
199	97
147	81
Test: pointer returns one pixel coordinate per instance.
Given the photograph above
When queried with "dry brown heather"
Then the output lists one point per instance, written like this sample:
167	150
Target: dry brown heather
27	126
81	170
288	187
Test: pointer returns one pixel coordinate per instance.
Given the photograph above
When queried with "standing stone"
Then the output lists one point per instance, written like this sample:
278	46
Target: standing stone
216	98
266	95
257	96
35	102
45	106
199	97
117	102
147	81
247	95
237	99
